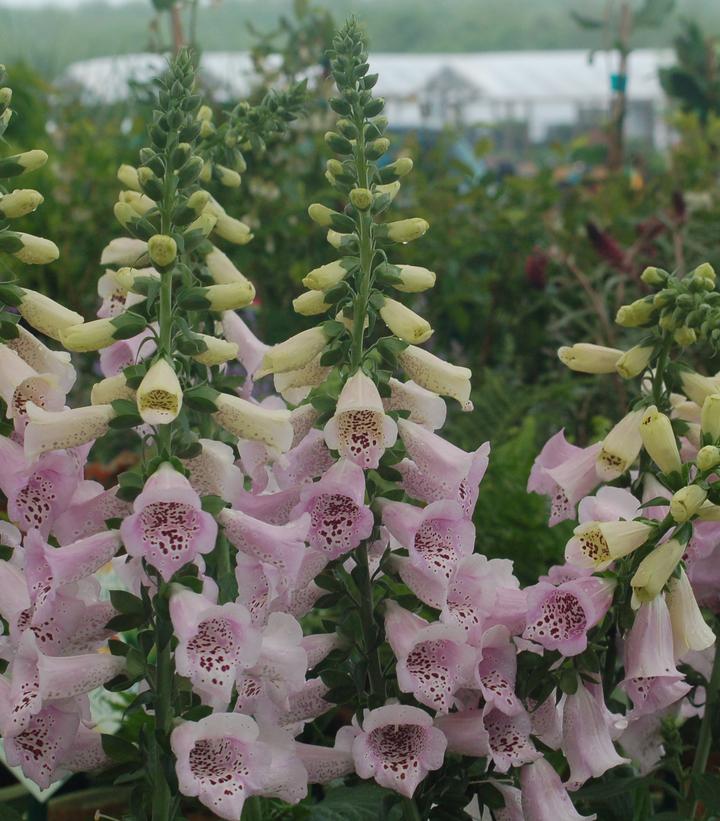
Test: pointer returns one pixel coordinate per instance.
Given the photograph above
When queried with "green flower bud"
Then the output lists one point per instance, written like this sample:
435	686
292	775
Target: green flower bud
162	250
635	314
705	271
226	176
361	198
337	143
685	336
377	148
708	457
654	276
686	502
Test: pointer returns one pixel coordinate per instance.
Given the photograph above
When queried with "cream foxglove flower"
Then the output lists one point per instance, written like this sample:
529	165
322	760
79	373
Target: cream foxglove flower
294	353
247	420
90	336
710	416
327	276
227	227
686	502
45	315
221	267
128	176
633	362
405	323
708	457
19	202
426	408
620	448
359	430
294	386
159	396
659	440
690	630
654	571
436	375
403	230
59	430
697	387
231	295
311	303
584	357
125	251
414	279
42	359
597	544
106	391
218	351
20	384
126	276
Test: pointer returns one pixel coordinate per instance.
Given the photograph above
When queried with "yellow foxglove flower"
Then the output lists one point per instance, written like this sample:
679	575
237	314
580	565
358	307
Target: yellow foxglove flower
46	315
320	214
293	353
125	251
221	267
128	176
89	336
597	544
587	358
20	384
29	160
36	250
710	416
162	249
686	502
414	279
106	391
217	351
659	440
339	240
159	396
227	176
436	375
311	303
654	571
633	362
403	230
19	202
140	203
231	295
697	387
247	420
709	512
708	457
404	323
326	276
620	448
204	223
59	430
636	314
227	227
690	630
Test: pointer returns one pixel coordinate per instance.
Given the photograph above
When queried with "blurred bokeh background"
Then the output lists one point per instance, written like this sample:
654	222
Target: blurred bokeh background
560	146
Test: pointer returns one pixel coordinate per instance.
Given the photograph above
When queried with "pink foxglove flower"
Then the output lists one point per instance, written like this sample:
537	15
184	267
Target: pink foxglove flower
339	518
559	618
215	642
125	352
37	491
20	384
213	470
465	733
484	592
565	473
652	680
325	764
433	660
359	430
42	359
282	546
251	351
438	470
543	796
398	746
436	537
425	407
642	741
509	738
306	461
90	508
588	732
220	760
168	527
497	670
547	721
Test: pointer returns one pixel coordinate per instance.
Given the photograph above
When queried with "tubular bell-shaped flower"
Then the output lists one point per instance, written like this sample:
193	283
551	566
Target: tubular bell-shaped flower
159	396
249	421
168	526
359	430
60	430
436	375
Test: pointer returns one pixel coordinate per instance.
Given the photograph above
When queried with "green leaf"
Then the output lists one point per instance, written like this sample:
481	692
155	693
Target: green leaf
213	504
125	602
201	398
363	802
119	749
126	621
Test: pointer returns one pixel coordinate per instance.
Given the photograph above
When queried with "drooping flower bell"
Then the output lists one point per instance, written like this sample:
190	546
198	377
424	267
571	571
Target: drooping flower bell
168	527
359	430
159	396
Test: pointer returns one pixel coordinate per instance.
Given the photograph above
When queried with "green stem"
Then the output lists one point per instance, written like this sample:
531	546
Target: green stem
712	696
369	627
164	714
410	810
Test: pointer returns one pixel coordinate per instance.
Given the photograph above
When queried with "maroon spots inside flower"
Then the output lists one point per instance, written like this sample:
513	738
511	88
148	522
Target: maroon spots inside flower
509	744
560	505
495	683
168	529
398	747
438	546
361	434
35	501
219	762
431	664
561	617
333	519
215	651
